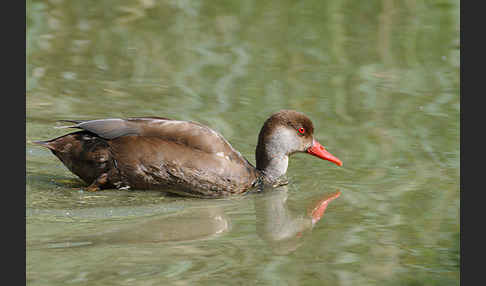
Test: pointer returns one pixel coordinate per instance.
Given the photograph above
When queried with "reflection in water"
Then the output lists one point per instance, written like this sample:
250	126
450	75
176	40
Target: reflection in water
276	224
279	227
197	223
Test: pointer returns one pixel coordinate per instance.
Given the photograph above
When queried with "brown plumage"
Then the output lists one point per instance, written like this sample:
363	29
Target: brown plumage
181	157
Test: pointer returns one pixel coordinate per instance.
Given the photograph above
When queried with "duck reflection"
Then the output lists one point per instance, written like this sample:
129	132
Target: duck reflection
276	224
189	225
283	229
193	224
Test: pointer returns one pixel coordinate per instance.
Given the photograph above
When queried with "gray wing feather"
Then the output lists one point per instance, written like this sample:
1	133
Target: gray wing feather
73	121
107	128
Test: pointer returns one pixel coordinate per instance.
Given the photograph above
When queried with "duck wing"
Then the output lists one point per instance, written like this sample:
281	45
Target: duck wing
189	133
106	128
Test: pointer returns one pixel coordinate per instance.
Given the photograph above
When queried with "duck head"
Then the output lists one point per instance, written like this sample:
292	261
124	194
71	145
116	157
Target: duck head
283	134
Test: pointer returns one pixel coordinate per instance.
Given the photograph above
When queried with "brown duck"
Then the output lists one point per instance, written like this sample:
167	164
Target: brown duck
182	157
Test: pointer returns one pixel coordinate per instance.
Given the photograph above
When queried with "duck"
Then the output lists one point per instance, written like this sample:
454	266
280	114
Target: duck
180	157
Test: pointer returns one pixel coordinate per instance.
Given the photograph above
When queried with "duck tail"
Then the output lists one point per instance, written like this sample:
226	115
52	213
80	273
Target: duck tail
49	143
43	144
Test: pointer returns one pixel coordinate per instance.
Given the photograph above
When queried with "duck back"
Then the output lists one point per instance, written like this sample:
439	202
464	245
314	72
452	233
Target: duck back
182	157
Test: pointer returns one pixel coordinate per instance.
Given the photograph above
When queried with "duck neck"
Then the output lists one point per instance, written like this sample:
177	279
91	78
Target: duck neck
272	156
274	168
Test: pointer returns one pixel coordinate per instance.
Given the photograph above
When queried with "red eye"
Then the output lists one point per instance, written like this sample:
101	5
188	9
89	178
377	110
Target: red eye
301	130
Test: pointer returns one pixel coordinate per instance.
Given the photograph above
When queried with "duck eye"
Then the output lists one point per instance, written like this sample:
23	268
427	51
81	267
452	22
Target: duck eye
301	130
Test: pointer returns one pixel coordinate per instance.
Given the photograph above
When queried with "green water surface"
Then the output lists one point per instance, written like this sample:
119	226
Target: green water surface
379	79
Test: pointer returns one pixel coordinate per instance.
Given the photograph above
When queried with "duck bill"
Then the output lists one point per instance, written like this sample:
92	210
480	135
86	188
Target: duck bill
319	151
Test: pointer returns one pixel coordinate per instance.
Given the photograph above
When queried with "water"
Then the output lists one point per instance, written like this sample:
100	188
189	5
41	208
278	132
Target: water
379	79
